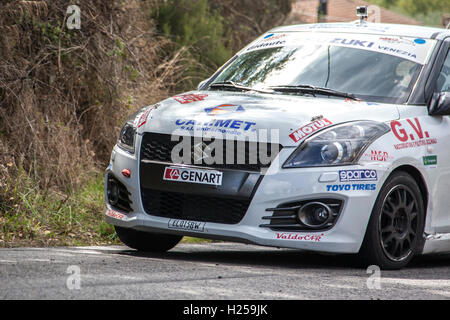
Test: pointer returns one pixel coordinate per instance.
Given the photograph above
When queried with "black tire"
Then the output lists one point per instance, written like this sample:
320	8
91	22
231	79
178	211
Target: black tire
145	241
395	231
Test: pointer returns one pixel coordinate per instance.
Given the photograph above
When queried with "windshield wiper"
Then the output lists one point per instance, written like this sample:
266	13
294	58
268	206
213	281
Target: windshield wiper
314	90
238	86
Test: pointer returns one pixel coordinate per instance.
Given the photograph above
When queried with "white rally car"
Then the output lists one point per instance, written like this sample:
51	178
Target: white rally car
324	137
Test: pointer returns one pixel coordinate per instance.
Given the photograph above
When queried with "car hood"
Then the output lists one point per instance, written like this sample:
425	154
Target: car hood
241	115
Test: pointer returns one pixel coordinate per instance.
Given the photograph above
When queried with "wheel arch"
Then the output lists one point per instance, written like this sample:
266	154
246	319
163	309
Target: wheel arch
418	177
420	180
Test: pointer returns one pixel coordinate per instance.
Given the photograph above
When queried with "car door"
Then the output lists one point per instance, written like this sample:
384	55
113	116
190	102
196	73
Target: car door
440	196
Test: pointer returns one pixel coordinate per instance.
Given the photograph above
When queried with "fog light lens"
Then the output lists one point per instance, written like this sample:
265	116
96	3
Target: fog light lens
113	192
314	214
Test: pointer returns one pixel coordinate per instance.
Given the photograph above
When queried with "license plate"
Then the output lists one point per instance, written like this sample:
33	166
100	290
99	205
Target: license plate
189	175
186	225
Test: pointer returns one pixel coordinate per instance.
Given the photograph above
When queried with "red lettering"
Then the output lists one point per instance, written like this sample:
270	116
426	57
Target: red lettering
400	134
417	129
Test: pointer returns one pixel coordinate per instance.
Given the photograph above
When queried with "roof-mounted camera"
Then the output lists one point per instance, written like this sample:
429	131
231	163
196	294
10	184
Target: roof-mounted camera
362	13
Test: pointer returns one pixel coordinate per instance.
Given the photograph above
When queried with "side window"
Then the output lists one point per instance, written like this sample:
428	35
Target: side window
443	82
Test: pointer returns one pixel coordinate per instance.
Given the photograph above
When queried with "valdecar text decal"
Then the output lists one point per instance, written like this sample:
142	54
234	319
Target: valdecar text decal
295	236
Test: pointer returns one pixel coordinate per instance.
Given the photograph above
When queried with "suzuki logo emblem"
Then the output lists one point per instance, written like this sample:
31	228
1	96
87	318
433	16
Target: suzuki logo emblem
199	152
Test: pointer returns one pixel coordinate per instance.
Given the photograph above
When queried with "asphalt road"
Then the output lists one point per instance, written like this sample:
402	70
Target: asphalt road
210	271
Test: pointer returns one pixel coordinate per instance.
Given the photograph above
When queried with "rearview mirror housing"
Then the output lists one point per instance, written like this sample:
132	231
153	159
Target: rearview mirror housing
439	104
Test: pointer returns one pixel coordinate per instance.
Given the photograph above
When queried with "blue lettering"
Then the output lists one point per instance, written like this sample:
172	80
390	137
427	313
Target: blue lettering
236	124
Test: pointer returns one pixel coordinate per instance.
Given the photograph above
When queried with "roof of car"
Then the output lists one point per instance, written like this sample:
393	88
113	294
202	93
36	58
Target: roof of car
370	28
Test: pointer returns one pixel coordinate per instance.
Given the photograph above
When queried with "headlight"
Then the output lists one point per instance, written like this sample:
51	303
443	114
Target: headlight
339	145
127	134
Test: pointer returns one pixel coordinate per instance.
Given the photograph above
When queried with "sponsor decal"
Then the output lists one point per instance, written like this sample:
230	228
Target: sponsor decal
377	155
357	175
398	52
115	214
197	176
144	117
270	40
396	40
430	161
300	237
353	42
224	109
189	98
348	100
420	41
186	225
309	129
273	36
411	134
352	187
227	126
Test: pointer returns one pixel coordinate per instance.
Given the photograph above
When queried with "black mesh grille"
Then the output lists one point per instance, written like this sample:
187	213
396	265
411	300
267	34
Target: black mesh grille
194	207
158	147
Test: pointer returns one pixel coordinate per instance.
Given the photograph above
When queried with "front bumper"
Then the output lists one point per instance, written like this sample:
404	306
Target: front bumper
276	187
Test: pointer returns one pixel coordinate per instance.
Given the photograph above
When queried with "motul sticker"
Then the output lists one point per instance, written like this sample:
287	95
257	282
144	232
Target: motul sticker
309	129
193	176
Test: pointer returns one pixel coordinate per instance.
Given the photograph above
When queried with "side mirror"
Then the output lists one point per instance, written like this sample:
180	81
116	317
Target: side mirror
439	104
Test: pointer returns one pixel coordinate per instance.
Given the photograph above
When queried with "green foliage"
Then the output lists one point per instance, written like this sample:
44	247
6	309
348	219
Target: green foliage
427	11
193	24
35	217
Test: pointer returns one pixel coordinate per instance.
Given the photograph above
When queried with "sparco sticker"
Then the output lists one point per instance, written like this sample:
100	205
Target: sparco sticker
186	225
358	175
193	176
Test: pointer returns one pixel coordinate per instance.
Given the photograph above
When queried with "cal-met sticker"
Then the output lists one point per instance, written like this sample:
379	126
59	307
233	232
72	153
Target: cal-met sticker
224	126
357	175
186	225
193	176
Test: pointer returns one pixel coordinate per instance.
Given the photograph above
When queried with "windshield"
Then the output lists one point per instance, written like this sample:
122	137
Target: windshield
370	70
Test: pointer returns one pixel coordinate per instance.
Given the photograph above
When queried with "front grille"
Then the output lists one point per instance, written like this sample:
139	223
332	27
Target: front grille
202	208
284	217
245	156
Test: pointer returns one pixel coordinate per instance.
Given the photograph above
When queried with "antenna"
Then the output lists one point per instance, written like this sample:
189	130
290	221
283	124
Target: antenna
362	13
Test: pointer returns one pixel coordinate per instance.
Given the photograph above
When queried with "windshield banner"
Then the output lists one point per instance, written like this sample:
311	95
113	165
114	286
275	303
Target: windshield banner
413	49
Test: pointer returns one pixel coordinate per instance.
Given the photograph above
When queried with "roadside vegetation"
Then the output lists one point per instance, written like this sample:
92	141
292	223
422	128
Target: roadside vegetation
64	94
429	12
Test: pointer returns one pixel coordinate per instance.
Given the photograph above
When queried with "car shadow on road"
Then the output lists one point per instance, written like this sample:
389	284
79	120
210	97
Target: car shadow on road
284	258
